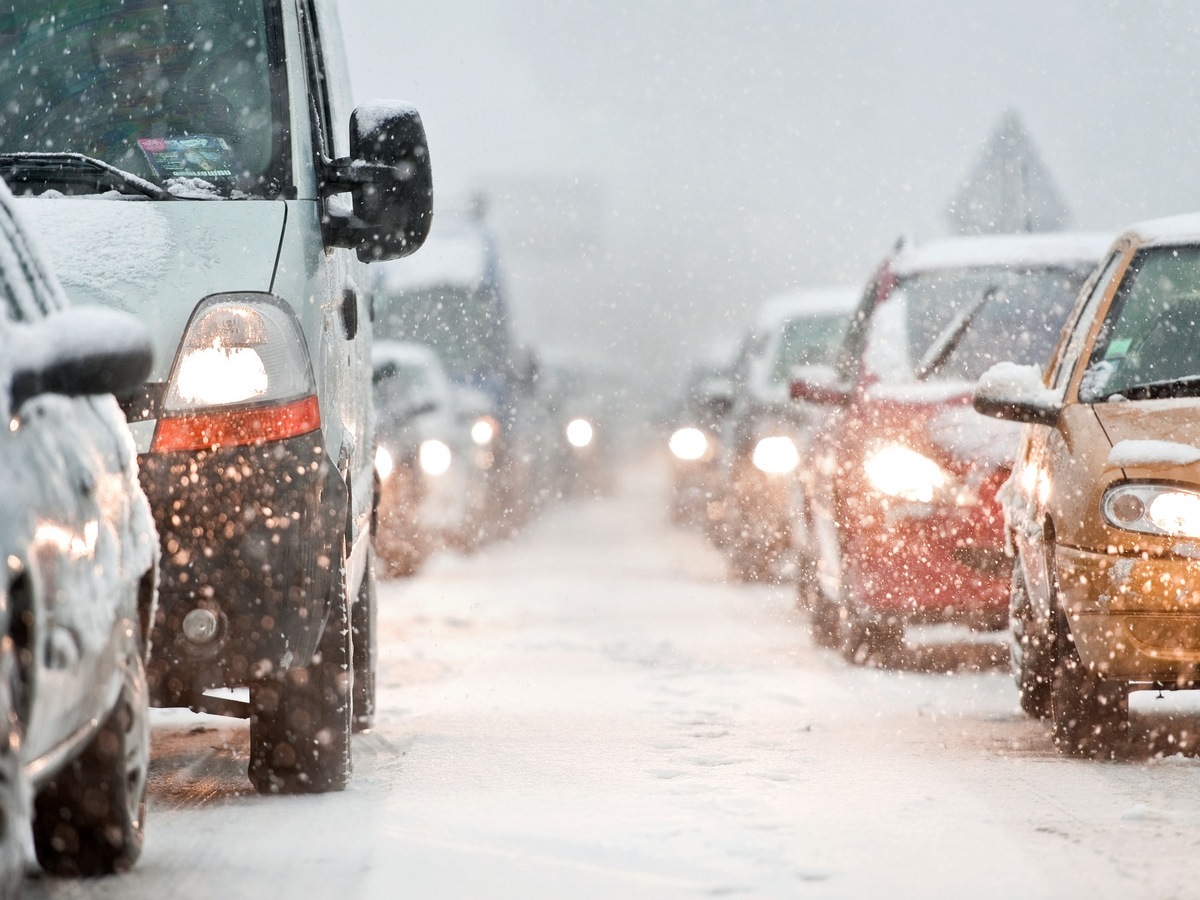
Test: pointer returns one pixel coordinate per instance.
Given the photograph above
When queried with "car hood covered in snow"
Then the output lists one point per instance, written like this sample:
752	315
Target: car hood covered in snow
157	260
1150	436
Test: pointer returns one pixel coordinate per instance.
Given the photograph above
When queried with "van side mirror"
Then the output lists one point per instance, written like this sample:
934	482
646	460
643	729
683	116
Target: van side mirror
79	351
390	179
1016	394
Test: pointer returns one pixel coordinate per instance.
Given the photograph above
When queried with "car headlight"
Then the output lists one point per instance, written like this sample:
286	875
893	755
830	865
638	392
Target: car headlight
241	377
384	464
688	444
434	457
1153	509
484	430
580	433
898	471
776	455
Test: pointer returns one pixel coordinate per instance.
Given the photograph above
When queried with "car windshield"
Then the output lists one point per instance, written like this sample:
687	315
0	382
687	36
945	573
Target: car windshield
1019	322
171	92
806	341
397	385
1147	345
460	324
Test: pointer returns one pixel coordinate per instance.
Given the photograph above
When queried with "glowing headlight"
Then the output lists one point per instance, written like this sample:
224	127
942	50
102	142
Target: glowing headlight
384	464
434	457
776	455
483	432
579	433
897	471
1153	509
688	444
211	376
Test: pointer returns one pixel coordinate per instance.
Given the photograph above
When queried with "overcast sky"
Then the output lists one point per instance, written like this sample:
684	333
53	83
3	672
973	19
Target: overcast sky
658	167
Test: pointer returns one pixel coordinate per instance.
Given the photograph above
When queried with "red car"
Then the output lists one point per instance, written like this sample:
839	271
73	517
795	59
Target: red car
904	524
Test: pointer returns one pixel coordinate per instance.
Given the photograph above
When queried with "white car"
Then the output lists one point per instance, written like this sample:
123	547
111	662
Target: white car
81	577
432	491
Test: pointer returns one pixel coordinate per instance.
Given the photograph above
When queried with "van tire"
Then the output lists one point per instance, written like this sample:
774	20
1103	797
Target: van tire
90	819
300	720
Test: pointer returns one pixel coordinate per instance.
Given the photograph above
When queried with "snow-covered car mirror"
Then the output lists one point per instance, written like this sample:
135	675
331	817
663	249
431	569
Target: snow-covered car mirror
818	384
390	178
1016	393
78	351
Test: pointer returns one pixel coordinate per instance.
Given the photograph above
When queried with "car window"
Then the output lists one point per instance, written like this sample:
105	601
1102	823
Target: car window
1083	321
806	341
1018	316
1149	334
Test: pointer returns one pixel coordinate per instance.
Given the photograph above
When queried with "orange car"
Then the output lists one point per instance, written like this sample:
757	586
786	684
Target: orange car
1103	508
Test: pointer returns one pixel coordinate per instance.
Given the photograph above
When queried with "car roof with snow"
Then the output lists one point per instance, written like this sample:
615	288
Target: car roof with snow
1002	250
1182	229
404	353
826	301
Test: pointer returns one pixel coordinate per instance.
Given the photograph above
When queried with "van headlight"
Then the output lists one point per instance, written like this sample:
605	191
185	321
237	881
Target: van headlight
1153	509
484	430
241	376
776	455
901	472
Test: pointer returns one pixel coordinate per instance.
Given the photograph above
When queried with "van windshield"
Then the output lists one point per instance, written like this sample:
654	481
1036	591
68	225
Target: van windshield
177	93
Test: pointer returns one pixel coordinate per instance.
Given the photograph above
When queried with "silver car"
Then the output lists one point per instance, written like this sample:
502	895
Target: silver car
81	577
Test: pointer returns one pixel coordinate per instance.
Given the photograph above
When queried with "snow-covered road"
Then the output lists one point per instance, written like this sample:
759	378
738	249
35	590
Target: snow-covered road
590	710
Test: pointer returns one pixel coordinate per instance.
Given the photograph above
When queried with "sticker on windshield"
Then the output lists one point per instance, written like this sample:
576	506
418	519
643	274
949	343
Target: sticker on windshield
200	156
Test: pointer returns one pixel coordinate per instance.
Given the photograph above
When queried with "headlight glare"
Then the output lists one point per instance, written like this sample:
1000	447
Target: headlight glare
900	472
579	433
384	464
688	444
435	457
776	455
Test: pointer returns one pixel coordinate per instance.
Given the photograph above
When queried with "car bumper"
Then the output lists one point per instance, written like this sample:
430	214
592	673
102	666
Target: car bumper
927	565
252	534
1133	619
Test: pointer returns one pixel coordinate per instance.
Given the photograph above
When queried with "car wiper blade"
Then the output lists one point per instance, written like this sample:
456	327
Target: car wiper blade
1187	386
946	342
72	169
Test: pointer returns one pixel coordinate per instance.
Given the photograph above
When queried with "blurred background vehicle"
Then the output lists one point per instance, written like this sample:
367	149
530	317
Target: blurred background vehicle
1103	508
902	493
81	587
696	426
767	434
431	488
451	298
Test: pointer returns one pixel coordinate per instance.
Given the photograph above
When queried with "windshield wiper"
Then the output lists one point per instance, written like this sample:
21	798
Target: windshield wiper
946	342
71	169
1185	386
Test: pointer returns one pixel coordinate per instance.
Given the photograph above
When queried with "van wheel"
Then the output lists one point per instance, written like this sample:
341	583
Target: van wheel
365	651
1091	715
1032	659
300	720
89	819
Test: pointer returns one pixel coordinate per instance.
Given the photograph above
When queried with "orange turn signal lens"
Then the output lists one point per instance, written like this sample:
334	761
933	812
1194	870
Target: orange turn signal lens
239	428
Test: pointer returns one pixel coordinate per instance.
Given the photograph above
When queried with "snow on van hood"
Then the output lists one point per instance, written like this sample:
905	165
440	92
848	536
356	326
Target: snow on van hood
156	260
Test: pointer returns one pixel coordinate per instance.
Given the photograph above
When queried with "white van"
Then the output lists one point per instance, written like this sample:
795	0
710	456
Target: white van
196	163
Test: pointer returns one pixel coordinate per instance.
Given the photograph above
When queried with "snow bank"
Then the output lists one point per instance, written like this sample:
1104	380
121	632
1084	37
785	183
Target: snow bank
1134	453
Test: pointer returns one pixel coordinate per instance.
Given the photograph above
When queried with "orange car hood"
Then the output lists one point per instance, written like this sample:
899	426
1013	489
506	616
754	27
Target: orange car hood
1167	433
